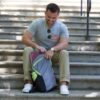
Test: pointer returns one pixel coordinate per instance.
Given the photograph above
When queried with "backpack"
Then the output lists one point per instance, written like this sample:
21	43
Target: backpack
42	72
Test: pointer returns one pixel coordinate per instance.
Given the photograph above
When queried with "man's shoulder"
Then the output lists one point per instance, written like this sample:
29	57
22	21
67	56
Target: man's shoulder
60	23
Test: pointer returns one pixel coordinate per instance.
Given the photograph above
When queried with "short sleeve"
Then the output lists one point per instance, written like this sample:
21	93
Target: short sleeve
32	27
64	31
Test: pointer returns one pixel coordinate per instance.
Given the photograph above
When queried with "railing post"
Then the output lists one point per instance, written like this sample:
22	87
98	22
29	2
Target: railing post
88	11
81	7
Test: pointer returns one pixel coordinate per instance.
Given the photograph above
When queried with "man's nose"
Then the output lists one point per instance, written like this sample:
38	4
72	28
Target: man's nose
50	19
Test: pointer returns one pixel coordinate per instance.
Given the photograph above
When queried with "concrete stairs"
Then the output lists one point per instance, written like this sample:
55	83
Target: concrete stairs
84	55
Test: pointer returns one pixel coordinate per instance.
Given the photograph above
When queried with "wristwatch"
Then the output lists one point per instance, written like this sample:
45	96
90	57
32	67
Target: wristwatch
52	49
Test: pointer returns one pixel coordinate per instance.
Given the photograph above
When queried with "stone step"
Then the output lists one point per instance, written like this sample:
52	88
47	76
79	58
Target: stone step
75	30
74	95
78	26
82	37
14	94
26	22
67	18
73	45
84	56
40	12
43	3
72	36
41	15
75	56
84	68
76	68
84	45
83	31
9	81
95	25
11	67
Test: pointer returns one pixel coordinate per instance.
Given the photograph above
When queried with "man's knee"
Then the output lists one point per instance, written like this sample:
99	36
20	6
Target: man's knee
64	52
28	49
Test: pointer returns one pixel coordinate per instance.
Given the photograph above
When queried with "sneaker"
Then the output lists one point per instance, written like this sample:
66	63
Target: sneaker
27	88
64	89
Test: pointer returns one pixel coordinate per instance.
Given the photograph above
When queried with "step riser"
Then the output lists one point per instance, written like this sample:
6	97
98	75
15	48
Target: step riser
11	58
85	84
75	69
11	46
83	32
83	38
72	38
11	36
36	96
41	14
75	84
76	25
85	58
84	70
71	31
73	46
11	83
83	46
74	57
26	20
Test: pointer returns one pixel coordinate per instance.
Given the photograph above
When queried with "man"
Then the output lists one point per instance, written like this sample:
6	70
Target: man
50	37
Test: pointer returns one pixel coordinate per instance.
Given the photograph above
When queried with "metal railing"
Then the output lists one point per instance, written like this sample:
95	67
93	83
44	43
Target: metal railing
88	17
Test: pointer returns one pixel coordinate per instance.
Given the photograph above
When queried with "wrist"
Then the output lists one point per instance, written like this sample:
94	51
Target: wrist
52	49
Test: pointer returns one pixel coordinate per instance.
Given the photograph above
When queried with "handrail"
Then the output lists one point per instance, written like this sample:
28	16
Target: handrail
88	17
81	7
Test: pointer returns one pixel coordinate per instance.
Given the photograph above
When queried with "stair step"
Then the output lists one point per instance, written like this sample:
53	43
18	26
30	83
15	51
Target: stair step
7	94
77	68
77	27
11	67
11	52
81	68
85	82
82	37
72	31
75	56
26	22
69	24
30	18
41	12
84	45
84	56
73	45
84	68
54	95
82	82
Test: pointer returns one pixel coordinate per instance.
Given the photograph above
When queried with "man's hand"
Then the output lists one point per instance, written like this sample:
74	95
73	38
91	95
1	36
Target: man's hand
41	49
49	54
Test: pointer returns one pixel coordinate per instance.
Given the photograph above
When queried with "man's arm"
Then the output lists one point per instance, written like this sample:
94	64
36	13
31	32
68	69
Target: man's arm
63	44
27	40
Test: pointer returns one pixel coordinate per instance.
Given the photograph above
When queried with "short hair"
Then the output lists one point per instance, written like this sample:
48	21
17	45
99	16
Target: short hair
53	7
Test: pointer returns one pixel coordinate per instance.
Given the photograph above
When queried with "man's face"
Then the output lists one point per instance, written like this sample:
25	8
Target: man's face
51	17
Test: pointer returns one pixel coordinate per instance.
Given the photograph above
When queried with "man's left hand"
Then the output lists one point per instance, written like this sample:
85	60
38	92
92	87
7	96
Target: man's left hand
49	54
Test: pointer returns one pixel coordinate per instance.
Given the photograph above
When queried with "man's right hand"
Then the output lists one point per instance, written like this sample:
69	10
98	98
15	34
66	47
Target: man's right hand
41	49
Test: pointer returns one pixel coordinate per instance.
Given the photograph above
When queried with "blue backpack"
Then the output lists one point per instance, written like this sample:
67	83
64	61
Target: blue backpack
42	73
